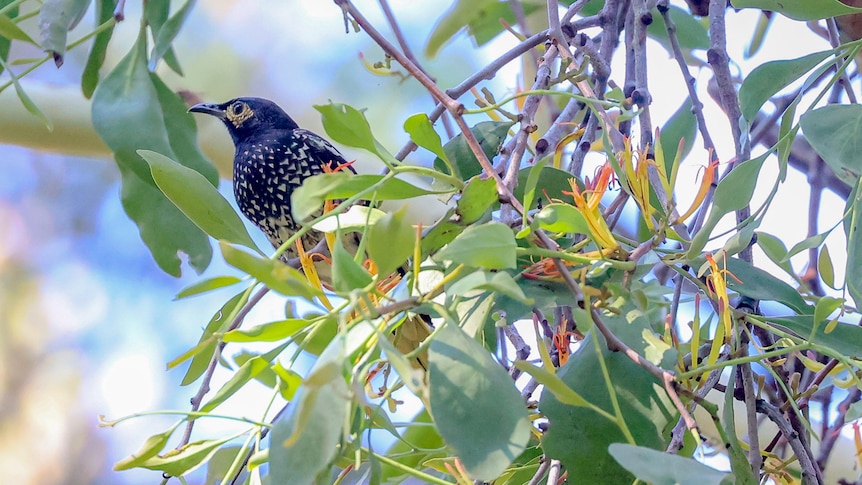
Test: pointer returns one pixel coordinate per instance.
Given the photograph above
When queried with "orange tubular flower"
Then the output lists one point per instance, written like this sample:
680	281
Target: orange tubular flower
588	205
705	183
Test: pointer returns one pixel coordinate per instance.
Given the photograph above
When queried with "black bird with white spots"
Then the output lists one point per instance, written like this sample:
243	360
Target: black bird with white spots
273	157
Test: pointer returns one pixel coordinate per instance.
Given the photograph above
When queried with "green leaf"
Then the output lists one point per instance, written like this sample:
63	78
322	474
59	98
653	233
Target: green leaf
690	33
554	384
157	14
267	332
807	243
309	197
28	103
207	344
391	242
489	246
274	274
659	468
478	196
578	436
455	20
489	134
305	440
196	197
733	193
530	186
247	371
800	9
771	77
151	447
168	32
497	282
552	183
186	459
854	412
835	133
824	307
130	98
56	18
5	42
825	267
853	232
90	74
844	338
207	285
760	285
477	409
562	218
775	250
422	133
347	274
682	125
348	126
10	30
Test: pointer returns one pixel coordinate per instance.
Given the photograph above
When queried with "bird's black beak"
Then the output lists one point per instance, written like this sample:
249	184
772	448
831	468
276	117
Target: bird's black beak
210	109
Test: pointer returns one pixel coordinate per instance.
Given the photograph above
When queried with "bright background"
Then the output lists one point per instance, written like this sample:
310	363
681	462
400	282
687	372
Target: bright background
87	320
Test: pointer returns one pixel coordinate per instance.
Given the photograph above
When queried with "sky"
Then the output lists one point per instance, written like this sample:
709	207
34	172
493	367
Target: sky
89	321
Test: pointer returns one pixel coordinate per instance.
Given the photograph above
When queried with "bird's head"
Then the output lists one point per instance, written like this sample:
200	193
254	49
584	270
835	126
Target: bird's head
245	117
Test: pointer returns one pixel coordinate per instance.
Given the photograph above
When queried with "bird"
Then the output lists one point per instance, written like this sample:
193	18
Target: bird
273	157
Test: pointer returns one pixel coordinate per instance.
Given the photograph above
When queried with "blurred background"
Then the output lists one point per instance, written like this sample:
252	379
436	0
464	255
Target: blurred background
88	321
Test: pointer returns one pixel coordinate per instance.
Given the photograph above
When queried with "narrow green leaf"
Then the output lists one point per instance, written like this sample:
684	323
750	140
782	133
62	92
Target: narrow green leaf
309	197
554	384
489	246
476	407
551	185
30	106
771	77
238	379
854	412
202	353
168	32
10	30
391	242
659	468
186	459
803	10
207	285
196	197
267	332
305	440
56	18
835	133
151	447
825	267
274	274
735	191
96	57
807	243
682	125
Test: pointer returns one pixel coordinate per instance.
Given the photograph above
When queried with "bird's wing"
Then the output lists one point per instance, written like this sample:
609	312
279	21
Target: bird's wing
323	150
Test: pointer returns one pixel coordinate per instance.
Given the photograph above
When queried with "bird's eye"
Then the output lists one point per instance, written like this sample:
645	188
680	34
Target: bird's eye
237	108
239	112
